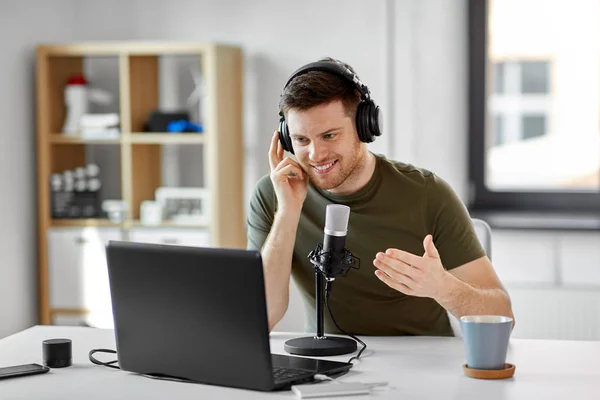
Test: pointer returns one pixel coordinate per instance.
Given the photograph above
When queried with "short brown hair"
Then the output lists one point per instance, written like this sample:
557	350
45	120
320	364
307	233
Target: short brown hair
317	87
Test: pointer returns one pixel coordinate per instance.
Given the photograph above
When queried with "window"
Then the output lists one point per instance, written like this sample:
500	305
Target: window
499	136
521	101
534	76
534	104
533	126
499	77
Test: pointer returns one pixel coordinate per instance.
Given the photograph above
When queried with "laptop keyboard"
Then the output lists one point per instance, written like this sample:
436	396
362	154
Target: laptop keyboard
284	374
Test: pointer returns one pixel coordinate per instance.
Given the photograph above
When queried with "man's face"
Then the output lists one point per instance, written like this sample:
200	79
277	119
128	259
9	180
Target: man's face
325	143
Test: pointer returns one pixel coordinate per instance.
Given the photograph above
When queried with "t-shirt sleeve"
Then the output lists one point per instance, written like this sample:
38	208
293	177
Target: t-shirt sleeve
260	214
453	232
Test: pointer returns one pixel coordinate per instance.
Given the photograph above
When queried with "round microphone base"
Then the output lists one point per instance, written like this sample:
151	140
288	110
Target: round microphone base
322	346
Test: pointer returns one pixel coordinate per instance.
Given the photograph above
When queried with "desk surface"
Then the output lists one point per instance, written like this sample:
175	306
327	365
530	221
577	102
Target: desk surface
415	367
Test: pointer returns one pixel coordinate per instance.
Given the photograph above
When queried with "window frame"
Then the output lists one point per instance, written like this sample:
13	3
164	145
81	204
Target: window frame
480	198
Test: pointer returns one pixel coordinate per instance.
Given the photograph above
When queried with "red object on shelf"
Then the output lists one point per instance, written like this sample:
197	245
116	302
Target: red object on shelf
77	80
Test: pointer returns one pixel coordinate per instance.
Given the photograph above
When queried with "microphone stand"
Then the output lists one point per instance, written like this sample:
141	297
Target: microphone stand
321	345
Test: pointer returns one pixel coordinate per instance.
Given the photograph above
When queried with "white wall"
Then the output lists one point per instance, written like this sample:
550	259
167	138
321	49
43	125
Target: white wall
430	86
411	53
22	26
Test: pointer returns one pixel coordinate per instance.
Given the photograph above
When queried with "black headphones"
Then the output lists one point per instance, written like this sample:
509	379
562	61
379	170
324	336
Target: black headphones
368	116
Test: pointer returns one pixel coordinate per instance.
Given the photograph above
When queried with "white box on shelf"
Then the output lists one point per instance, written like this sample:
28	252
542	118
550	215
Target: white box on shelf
78	273
184	205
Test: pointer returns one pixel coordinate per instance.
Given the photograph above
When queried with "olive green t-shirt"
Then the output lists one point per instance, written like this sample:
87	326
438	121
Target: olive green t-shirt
397	208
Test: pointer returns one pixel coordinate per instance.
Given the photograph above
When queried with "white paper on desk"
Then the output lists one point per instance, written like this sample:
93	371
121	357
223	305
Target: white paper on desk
330	389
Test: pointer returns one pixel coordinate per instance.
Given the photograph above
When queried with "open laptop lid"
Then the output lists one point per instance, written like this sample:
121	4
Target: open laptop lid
195	313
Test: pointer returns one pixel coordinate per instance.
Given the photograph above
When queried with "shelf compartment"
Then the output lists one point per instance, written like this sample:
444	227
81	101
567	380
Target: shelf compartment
143	89
59	70
67	156
70	156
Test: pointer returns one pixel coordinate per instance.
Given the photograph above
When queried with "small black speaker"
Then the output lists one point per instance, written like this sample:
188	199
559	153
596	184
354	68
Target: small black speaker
57	353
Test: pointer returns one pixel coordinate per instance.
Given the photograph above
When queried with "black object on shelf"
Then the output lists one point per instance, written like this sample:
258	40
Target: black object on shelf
74	195
76	204
159	120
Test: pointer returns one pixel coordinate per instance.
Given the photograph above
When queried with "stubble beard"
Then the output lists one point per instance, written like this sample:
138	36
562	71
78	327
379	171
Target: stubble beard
349	170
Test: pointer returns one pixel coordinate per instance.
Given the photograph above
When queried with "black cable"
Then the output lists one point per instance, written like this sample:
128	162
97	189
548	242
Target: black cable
349	259
328	285
109	364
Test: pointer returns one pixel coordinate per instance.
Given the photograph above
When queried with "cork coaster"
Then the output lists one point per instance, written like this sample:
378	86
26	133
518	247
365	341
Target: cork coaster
507	372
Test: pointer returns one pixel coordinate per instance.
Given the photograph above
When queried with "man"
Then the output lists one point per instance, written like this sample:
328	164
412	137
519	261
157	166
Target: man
419	253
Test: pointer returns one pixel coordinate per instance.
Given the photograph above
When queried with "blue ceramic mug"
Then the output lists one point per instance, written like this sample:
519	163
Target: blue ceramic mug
486	340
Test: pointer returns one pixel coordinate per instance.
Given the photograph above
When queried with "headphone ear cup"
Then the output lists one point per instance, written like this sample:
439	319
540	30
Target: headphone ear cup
362	122
368	121
284	136
375	121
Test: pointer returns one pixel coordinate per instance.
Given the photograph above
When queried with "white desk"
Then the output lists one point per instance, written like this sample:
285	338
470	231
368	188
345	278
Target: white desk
416	367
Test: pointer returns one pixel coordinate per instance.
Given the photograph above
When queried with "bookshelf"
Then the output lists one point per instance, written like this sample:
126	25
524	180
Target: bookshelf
221	142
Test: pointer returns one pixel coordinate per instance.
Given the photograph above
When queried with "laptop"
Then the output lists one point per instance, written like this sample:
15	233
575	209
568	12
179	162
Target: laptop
199	314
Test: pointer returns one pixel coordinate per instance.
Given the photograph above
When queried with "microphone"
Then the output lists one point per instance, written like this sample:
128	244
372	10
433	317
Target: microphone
332	258
334	240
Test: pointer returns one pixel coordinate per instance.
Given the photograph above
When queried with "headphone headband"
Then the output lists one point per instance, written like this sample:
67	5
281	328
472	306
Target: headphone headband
368	118
336	68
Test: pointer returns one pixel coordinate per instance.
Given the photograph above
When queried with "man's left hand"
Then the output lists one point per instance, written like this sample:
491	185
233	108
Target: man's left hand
411	274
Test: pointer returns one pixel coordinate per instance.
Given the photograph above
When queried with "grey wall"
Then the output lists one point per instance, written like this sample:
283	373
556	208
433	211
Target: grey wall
411	53
21	27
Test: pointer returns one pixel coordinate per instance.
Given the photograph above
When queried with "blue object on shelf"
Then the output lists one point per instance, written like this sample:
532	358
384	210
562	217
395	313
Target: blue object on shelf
183	126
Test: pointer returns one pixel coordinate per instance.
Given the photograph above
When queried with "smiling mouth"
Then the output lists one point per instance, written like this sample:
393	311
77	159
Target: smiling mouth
324	168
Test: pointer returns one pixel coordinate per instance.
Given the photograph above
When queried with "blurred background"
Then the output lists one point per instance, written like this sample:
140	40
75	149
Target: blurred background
501	98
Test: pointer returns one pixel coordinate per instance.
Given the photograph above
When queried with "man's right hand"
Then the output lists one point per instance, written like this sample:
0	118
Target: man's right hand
289	179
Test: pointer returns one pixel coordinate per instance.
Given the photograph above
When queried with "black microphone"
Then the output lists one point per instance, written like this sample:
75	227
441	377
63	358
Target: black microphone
332	258
334	240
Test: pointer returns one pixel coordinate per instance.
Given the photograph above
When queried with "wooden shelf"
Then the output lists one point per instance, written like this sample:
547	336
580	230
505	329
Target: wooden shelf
133	162
167	138
83	222
59	138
